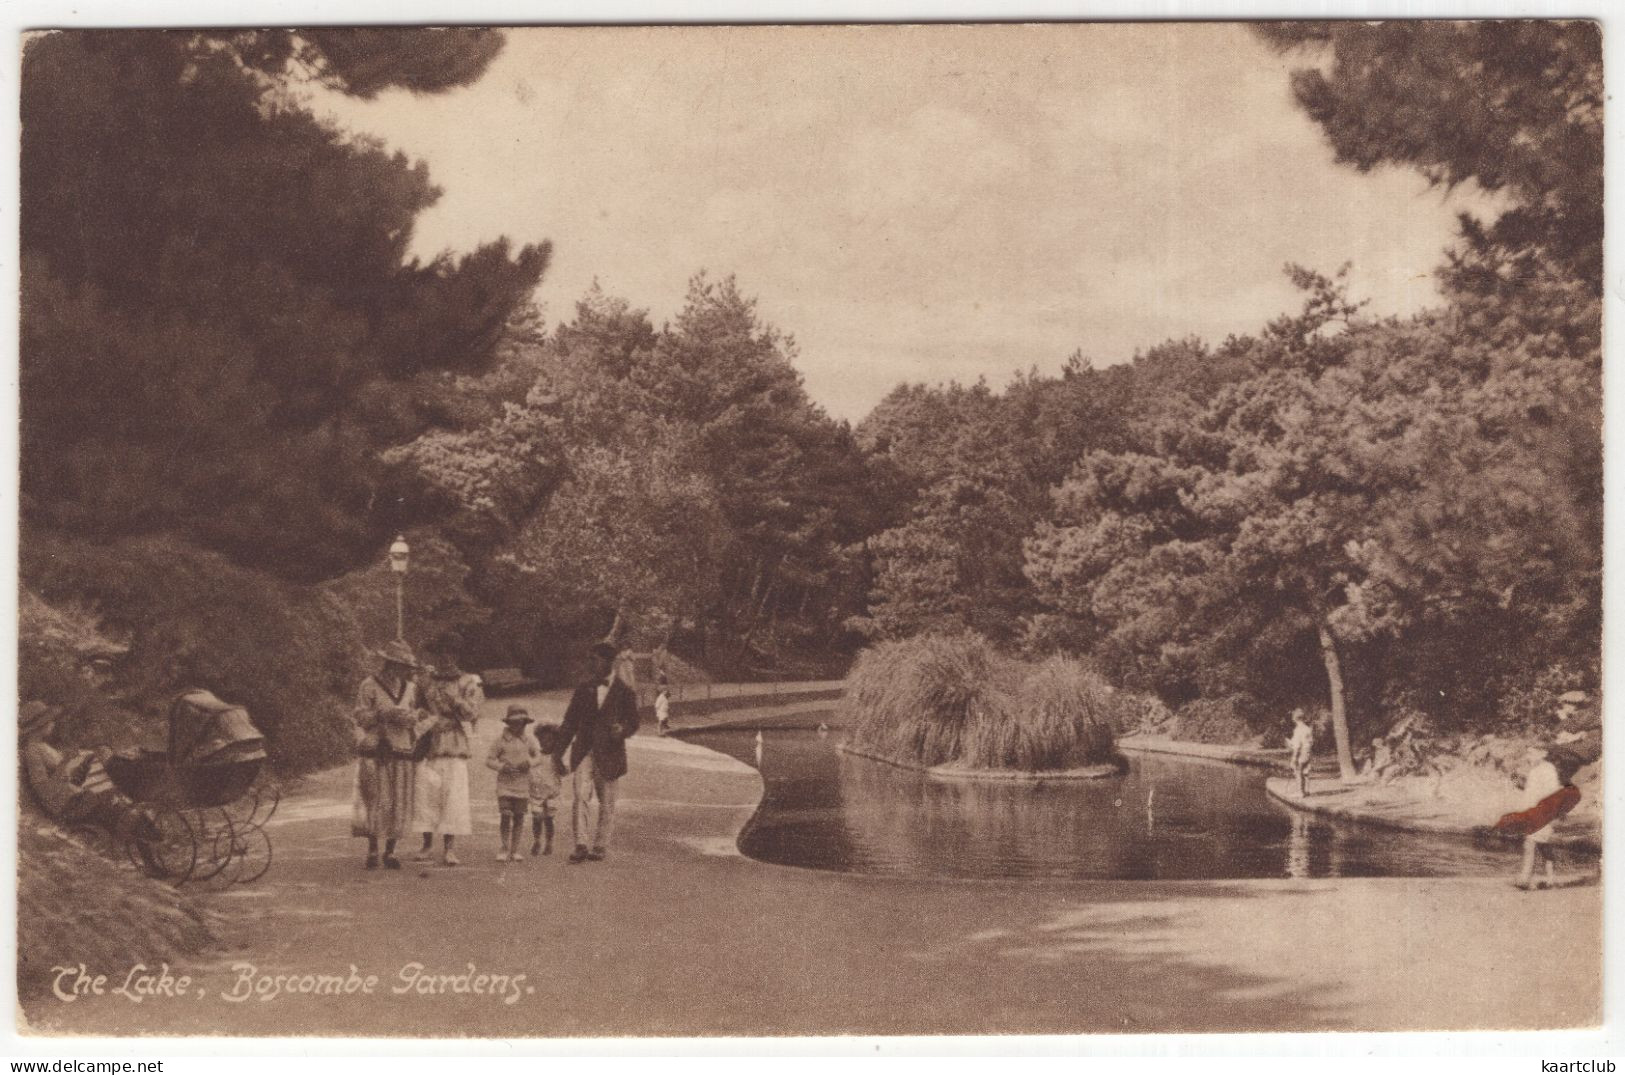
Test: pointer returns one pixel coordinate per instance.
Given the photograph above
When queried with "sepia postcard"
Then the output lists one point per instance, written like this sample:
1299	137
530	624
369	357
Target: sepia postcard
810	530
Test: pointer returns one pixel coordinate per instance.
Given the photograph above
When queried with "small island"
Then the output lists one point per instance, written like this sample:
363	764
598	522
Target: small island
956	708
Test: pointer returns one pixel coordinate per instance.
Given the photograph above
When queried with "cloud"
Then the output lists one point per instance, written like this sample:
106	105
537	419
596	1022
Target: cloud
933	163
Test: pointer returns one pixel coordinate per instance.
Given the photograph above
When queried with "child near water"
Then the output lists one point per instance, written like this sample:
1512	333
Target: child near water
513	756
544	792
1302	745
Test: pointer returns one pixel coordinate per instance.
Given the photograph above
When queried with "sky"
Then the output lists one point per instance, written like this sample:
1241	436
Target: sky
917	203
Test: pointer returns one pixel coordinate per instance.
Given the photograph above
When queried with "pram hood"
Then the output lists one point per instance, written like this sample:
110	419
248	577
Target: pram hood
203	730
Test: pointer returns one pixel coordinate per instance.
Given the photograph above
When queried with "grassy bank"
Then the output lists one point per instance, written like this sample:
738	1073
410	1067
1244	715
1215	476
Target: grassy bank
73	906
956	701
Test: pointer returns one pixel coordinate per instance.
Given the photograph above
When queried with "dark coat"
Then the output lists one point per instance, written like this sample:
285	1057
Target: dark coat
600	732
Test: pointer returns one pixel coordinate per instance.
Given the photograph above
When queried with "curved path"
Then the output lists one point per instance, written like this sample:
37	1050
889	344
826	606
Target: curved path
677	934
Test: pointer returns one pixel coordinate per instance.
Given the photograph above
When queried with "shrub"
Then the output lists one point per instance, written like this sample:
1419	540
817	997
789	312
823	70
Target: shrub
955	700
59	653
1227	720
289	653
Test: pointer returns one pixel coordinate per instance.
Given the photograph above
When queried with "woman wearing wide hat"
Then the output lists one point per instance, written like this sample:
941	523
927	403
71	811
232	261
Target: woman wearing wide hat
441	800
388	719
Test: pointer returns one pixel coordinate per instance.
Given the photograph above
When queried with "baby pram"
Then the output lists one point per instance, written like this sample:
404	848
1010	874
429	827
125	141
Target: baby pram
199	810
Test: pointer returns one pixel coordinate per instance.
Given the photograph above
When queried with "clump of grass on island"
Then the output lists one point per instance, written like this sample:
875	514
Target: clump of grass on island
955	700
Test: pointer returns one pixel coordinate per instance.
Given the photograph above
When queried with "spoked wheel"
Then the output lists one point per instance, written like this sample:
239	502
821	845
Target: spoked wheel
163	844
247	852
212	827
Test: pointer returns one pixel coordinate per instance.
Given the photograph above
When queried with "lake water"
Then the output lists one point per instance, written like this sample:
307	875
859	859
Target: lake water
1168	818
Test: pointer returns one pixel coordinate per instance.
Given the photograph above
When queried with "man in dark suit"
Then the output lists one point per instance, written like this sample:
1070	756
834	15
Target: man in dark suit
602	714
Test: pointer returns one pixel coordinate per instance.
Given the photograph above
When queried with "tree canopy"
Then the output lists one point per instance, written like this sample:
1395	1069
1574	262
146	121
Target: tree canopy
221	324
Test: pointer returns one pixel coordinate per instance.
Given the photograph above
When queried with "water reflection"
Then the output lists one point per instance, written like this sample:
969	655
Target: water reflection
1168	818
1297	848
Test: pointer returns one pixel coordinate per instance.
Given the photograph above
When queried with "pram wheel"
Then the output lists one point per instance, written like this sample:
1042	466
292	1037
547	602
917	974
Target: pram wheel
247	852
212	829
162	843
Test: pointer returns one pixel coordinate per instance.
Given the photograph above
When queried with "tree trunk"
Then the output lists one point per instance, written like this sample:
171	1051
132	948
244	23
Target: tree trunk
1340	719
614	627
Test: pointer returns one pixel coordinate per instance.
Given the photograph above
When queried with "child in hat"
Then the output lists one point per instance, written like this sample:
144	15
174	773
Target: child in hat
544	792
513	755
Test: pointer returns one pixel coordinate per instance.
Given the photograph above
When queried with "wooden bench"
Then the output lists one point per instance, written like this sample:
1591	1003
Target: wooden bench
505	681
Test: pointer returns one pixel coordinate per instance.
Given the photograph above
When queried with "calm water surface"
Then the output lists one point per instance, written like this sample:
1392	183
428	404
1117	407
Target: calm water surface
1169	818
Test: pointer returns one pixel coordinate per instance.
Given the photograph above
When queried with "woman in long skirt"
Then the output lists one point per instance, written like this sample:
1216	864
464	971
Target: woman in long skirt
442	806
387	722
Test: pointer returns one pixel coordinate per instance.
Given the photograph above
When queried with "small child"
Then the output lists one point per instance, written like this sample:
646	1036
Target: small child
663	707
1302	745
544	790
513	755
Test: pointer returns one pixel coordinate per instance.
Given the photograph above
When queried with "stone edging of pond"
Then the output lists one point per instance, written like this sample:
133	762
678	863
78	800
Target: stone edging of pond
1280	788
1254	757
1283	790
1003	776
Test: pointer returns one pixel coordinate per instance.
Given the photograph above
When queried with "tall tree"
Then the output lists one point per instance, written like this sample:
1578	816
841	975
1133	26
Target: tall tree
220	323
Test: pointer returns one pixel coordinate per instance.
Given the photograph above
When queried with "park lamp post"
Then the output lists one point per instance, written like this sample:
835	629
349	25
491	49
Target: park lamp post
398	556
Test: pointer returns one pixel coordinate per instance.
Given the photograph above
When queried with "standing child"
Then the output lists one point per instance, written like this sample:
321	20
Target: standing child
512	756
544	792
1302	745
663	706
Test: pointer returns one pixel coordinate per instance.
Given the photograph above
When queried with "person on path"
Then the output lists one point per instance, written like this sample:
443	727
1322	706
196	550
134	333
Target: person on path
544	792
441	803
513	754
387	720
1302	746
602	715
663	706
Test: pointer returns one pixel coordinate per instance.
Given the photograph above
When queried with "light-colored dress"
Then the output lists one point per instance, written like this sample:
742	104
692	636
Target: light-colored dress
386	727
441	802
1541	782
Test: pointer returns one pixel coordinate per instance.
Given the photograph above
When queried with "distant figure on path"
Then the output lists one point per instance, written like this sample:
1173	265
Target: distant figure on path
454	698
387	722
513	754
663	706
602	714
1302	745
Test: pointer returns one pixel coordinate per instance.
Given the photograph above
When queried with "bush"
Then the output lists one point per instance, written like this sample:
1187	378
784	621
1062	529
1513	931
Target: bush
60	651
289	653
1228	720
955	700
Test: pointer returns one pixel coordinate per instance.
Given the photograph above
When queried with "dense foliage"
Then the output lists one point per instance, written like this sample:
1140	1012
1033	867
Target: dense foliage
670	486
221	333
1390	518
220	323
236	387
